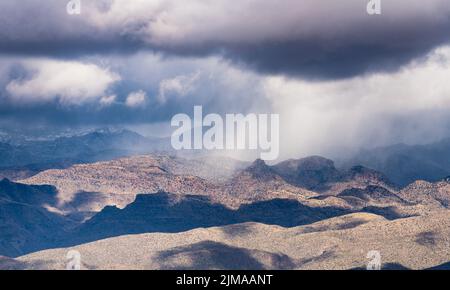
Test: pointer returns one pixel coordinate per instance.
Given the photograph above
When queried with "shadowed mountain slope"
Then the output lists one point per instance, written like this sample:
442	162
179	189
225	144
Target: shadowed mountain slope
337	243
164	212
28	222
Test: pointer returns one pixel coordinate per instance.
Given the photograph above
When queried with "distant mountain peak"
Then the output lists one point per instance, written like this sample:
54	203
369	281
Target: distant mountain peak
308	163
308	172
404	164
258	163
111	131
369	175
363	171
316	163
5	181
260	170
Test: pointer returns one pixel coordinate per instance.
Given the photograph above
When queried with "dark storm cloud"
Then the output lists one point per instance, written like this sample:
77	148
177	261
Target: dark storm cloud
312	39
58	70
312	62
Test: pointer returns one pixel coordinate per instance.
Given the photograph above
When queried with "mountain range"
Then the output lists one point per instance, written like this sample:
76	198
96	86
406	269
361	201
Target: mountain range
20	158
158	193
195	210
404	164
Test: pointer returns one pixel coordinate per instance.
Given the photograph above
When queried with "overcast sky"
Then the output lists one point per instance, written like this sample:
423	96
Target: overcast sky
337	76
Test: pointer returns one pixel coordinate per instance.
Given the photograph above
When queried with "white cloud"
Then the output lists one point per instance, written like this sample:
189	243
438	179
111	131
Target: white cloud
69	82
186	82
178	86
136	99
108	100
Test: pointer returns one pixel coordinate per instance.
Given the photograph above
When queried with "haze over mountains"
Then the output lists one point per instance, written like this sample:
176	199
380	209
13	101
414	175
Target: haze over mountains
128	198
405	164
21	157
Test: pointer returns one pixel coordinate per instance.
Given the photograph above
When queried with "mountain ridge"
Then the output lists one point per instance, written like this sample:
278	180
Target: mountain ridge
404	164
